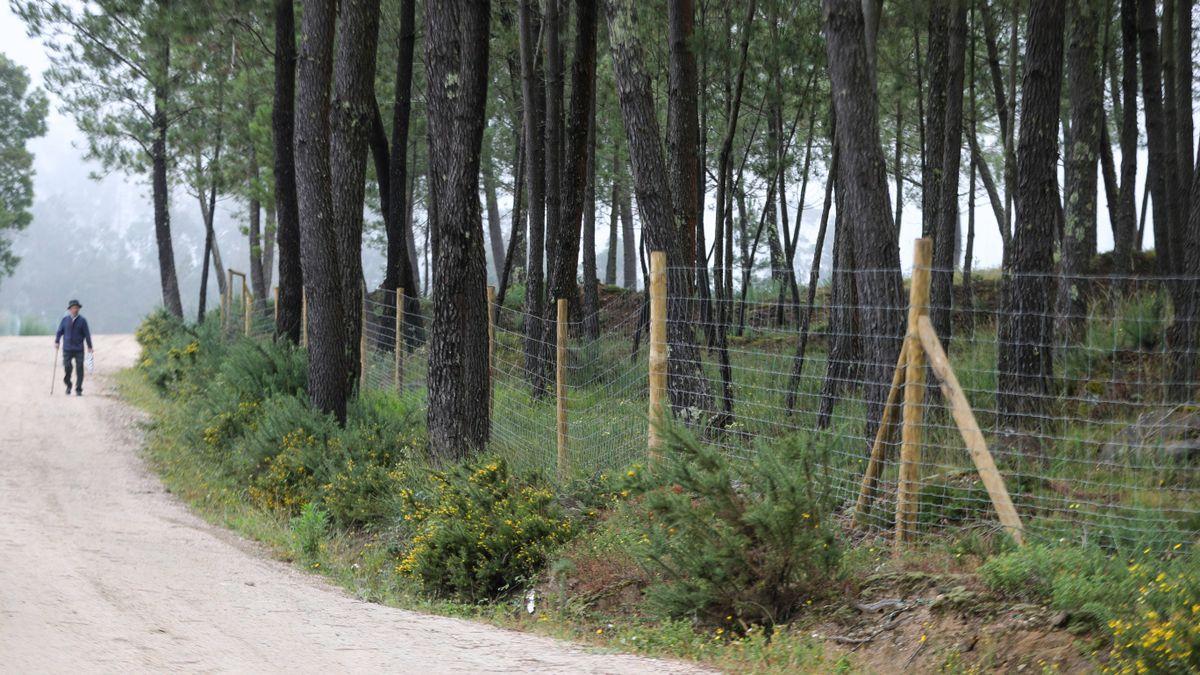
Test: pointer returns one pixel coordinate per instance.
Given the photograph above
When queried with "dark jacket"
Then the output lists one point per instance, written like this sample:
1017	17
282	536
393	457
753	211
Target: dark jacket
73	333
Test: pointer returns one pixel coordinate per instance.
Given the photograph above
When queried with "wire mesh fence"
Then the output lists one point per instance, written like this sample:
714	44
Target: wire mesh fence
1101	442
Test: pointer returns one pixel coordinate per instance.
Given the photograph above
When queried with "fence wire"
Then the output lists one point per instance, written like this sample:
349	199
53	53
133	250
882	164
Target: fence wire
1104	447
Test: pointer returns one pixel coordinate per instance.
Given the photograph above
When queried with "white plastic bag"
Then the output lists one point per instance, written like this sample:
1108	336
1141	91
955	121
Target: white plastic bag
89	362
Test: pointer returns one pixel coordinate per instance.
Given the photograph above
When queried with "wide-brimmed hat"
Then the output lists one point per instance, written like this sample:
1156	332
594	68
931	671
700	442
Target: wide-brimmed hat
74	303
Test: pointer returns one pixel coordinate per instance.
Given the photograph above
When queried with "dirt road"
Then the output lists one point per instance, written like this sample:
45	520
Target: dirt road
102	571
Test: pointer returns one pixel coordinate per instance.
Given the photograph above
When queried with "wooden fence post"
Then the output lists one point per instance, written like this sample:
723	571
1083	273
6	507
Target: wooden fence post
560	377
399	346
491	303
247	306
985	464
658	350
884	436
914	395
275	293
227	318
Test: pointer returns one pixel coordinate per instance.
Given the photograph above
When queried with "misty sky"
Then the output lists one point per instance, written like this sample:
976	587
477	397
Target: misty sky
61	170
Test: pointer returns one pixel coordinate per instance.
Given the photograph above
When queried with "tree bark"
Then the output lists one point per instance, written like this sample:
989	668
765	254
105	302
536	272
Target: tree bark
258	283
610	264
553	135
1126	224
938	60
350	122
862	178
402	271
683	133
1184	74
573	198
1085	87
1158	177
495	227
328	354
283	126
268	255
159	186
686	380
1026	330
533	95
945	240
629	262
456	57
591	293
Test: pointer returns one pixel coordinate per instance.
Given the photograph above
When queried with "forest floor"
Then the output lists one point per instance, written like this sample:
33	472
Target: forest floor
102	569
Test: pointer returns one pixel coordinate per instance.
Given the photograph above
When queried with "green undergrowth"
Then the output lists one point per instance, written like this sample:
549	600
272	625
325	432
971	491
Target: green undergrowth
732	562
230	432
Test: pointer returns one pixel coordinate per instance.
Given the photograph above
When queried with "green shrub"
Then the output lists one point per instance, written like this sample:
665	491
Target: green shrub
480	532
279	424
309	530
289	479
361	493
737	544
1089	584
254	370
155	330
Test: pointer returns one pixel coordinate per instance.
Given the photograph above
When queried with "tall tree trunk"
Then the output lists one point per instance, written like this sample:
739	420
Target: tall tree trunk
211	249
206	210
814	277
268	255
1184	74
328	353
255	238
517	219
573	197
945	241
258	284
723	262
283	126
1125	227
1085	88
629	261
1026	330
533	95
159	186
683	159
553	135
863	180
938	60
591	294
402	269
200	312
1159	177
686	381
350	122
495	227
610	264
456	57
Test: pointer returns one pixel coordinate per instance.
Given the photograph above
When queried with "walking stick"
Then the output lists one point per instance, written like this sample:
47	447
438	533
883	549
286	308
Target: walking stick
54	372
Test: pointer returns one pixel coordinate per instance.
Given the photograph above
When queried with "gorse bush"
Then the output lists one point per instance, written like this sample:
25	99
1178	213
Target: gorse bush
479	532
736	544
1087	583
309	530
1161	634
1150	605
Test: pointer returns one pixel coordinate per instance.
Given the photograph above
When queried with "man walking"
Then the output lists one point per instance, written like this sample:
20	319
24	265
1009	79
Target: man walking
73	332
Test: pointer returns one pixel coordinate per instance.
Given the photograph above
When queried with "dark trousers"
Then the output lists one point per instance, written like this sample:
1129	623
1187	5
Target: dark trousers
76	359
